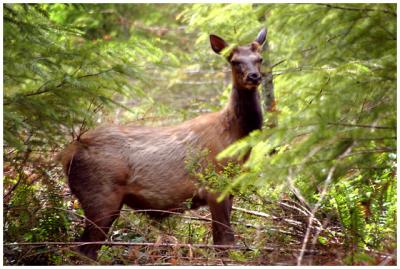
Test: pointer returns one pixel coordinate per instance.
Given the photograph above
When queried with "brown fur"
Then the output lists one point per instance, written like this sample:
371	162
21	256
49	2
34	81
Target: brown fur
144	167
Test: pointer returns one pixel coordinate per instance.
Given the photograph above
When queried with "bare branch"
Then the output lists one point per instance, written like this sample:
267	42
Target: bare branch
21	176
147	244
318	204
361	125
359	9
265	215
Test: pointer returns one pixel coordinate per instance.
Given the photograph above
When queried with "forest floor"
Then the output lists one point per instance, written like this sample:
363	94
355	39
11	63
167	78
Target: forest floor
261	239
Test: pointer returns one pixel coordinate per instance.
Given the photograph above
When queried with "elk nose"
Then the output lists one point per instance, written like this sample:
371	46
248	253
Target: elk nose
254	77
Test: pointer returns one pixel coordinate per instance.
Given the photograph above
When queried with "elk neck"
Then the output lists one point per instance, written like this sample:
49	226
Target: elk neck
245	111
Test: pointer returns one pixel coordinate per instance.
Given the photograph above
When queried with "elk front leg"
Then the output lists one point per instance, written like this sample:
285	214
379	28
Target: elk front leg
221	213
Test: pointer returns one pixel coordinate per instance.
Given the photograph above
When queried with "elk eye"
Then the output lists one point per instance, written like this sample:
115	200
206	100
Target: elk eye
260	60
235	62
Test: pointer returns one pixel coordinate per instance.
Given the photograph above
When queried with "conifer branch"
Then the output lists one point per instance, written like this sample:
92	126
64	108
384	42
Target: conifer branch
40	90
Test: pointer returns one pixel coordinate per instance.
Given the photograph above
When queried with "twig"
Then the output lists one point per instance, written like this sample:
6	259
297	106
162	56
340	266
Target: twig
147	244
360	125
41	90
304	211
360	9
278	63
265	215
318	204
20	172
292	187
202	261
375	150
248	225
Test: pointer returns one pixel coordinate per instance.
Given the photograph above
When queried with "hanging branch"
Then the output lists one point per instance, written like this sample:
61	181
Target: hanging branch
43	89
387	11
21	175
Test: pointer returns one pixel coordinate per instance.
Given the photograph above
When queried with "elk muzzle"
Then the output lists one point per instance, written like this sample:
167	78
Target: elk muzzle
253	78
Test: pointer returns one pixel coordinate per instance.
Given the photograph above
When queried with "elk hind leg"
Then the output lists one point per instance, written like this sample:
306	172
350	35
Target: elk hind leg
99	219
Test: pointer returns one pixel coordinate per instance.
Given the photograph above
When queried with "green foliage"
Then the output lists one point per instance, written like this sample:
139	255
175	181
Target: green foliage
336	86
61	75
366	205
212	177
336	94
57	77
52	223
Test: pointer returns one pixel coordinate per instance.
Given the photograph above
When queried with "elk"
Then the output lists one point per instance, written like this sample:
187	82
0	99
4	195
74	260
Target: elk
144	167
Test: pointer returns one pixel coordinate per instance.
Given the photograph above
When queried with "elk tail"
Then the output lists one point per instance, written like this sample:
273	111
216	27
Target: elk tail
66	156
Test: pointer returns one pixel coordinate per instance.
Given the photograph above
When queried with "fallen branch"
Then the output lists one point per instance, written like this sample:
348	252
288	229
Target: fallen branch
147	244
318	204
265	215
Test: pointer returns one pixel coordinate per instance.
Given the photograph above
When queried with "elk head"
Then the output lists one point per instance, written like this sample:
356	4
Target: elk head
245	60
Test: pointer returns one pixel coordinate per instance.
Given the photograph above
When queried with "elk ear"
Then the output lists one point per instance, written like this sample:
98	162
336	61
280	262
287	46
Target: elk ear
217	43
261	36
